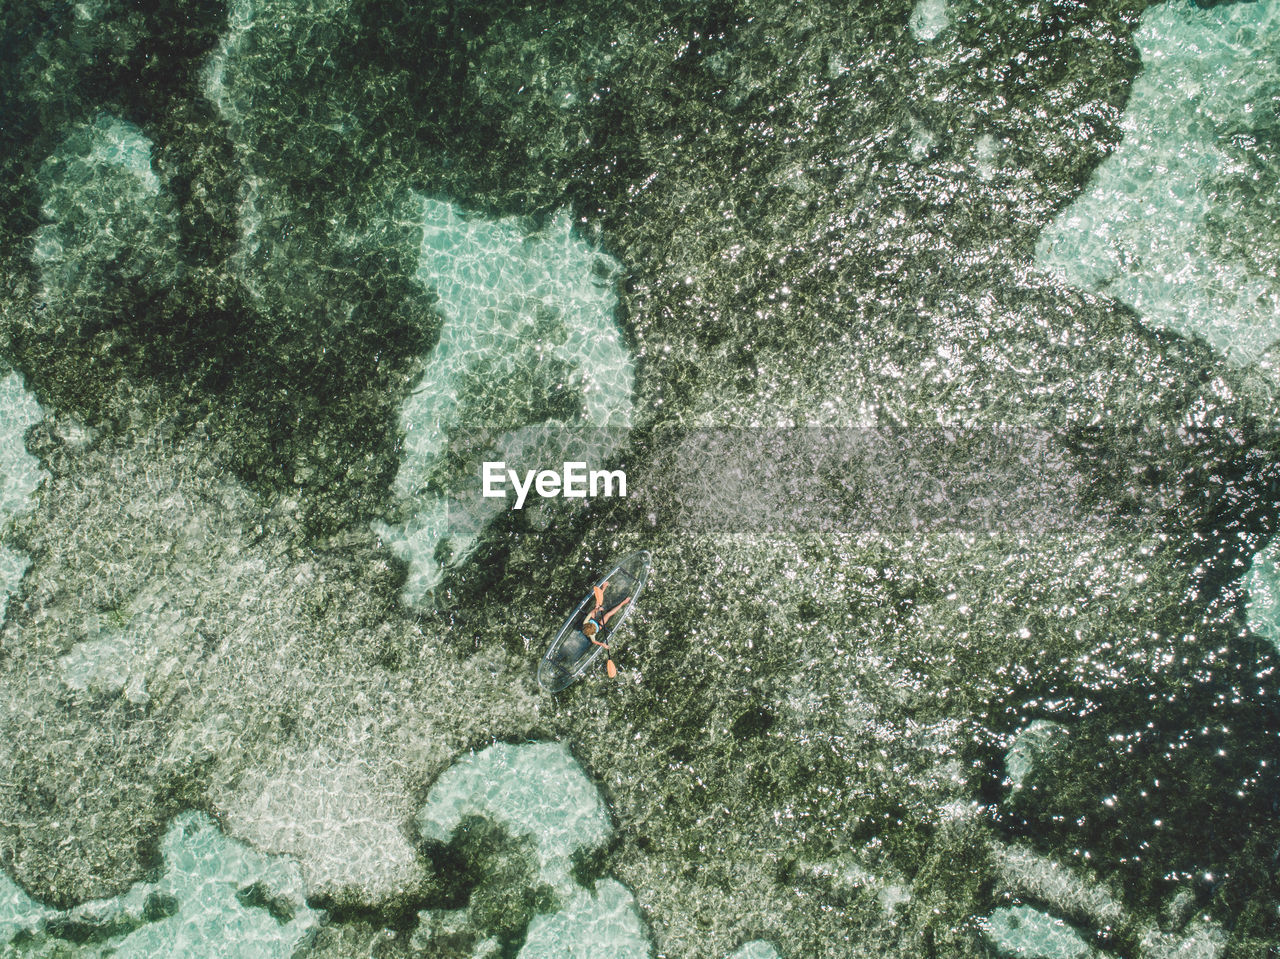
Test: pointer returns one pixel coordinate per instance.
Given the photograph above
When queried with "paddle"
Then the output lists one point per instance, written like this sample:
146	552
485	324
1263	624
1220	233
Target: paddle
609	668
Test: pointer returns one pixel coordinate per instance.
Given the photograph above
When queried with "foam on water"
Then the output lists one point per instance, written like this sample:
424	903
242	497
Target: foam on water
214	892
529	340
1179	221
1025	932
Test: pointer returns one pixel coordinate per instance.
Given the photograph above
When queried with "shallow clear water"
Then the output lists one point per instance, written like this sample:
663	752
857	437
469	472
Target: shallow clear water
936	341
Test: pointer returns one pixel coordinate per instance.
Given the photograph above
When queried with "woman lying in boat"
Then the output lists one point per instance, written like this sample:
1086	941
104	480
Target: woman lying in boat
596	622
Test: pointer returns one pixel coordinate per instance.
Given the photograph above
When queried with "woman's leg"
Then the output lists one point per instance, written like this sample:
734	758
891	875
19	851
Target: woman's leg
609	615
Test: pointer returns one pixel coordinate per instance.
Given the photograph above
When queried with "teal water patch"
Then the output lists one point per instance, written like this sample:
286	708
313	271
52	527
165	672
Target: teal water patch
1180	221
929	18
1041	879
1263	583
13	566
20	474
215	895
599	923
529	354
1025	932
18	911
226	892
539	790
107	219
1027	747
229	75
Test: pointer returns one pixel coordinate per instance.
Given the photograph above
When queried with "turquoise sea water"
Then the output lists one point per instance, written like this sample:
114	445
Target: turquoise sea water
937	340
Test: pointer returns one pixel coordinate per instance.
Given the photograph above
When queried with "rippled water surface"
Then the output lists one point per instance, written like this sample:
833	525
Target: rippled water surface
937	341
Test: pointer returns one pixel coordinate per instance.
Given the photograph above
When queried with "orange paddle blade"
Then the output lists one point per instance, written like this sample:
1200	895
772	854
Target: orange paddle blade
611	669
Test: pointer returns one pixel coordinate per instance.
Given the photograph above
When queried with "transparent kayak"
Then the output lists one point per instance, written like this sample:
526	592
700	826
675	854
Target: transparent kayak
571	653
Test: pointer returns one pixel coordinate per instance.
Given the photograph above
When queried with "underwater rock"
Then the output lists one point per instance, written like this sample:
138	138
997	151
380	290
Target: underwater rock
1202	940
445	932
108	666
20	472
498	874
528	360
18	911
338	814
1044	880
813	233
211	887
1074	903
257	895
